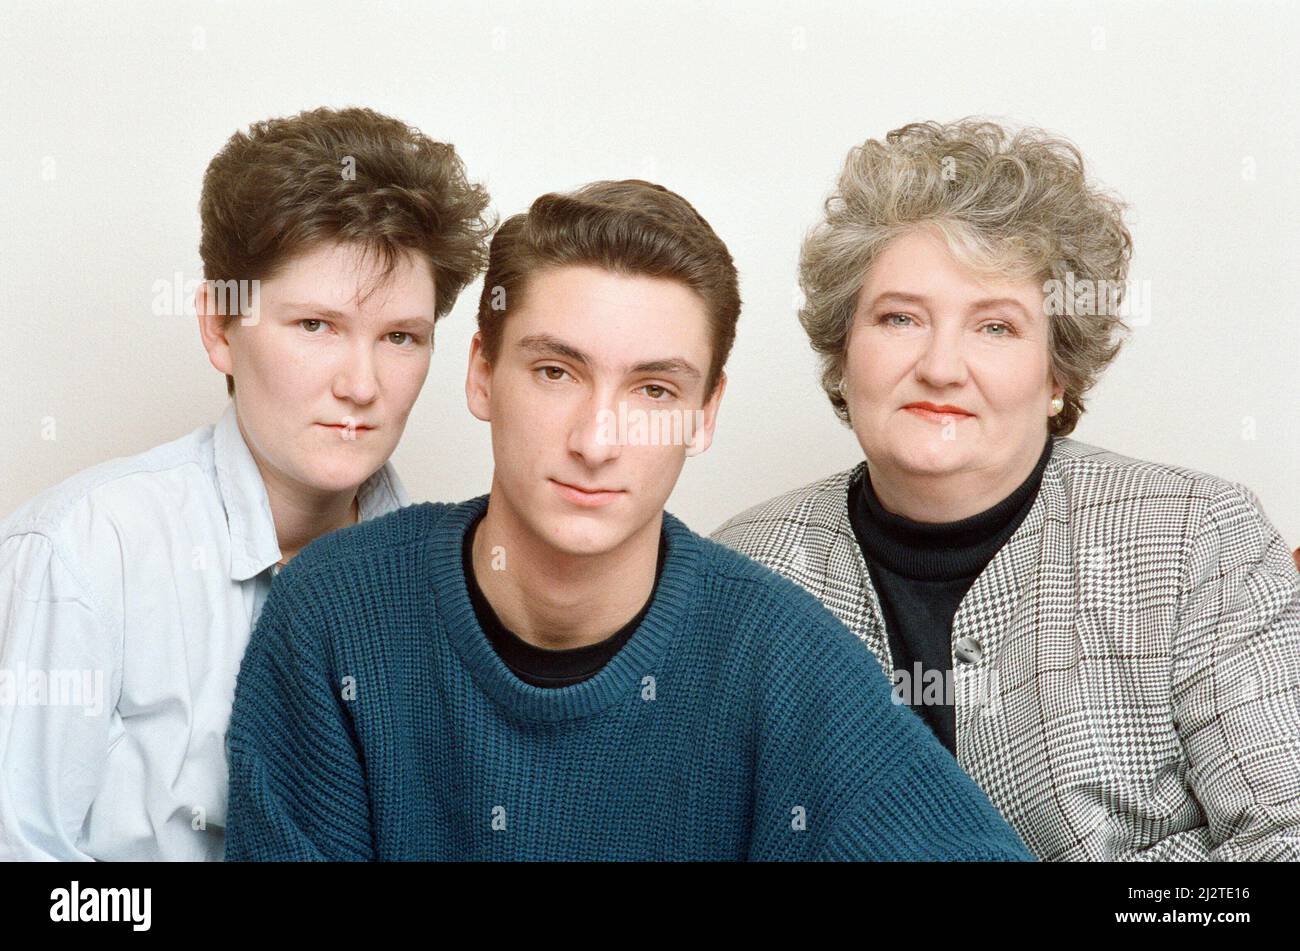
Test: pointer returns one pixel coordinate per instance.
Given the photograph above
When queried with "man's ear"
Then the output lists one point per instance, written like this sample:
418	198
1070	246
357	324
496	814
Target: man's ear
702	436
478	380
213	328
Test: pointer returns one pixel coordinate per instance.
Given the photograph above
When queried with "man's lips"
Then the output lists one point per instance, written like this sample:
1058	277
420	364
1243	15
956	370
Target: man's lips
587	496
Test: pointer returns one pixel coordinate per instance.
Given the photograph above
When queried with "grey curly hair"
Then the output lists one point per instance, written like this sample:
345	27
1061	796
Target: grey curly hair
1012	204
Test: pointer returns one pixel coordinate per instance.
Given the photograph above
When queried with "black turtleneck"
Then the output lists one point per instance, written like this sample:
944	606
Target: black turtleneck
540	666
921	572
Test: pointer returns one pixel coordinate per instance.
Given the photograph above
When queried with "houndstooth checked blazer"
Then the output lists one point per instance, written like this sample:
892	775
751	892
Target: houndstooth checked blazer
1133	684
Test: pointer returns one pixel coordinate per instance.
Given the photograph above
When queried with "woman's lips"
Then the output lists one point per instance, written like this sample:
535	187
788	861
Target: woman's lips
939	416
583	498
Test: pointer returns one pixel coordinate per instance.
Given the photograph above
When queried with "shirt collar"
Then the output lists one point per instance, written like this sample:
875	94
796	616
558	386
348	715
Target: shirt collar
253	545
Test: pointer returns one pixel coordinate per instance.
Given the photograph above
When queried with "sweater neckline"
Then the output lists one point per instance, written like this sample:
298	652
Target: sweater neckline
542	666
618	679
946	551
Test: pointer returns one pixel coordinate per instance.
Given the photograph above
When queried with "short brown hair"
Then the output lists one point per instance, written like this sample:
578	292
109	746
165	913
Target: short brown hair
347	175
629	227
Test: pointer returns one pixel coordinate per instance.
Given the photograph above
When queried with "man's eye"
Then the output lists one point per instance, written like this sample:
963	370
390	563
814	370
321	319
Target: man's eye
657	392
311	324
402	337
554	374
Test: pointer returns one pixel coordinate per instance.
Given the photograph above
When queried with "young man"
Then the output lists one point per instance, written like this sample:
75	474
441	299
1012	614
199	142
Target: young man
561	670
331	242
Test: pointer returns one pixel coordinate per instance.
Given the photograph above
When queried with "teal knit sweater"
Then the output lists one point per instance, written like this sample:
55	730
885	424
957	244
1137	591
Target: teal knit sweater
373	720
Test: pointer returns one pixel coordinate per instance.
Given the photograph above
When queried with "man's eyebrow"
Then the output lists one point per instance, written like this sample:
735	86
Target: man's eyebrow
668	365
548	345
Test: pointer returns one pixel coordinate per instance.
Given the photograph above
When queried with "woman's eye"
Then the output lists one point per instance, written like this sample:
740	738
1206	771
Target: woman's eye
889	319
656	391
311	324
554	374
1001	330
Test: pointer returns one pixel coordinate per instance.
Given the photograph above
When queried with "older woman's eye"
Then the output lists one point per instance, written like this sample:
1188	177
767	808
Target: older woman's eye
889	319
1003	330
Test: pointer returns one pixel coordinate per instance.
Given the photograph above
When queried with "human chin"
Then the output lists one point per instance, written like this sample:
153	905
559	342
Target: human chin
578	533
921	448
337	468
578	526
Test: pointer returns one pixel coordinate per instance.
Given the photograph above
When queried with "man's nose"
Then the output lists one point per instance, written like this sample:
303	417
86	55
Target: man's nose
594	432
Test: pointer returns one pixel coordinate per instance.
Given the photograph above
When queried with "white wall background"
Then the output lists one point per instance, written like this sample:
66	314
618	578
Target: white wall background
111	111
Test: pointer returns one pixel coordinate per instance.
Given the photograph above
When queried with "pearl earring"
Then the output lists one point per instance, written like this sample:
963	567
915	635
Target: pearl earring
1058	405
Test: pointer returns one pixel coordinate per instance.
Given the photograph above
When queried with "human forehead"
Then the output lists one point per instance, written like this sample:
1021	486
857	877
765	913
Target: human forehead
615	319
919	268
348	279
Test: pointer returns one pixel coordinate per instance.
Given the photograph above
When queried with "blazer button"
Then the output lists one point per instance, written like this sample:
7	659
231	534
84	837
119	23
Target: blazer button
968	650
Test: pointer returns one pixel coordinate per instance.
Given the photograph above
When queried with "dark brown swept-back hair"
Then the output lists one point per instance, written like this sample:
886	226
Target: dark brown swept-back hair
346	175
629	227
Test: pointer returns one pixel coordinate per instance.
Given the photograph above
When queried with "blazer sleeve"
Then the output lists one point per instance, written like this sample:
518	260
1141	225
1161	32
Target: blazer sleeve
1236	680
297	781
58	663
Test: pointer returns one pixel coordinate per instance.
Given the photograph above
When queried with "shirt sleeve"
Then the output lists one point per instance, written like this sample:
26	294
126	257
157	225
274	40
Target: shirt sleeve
847	774
297	782
1236	689
57	678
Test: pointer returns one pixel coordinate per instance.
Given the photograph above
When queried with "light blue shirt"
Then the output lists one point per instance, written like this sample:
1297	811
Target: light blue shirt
127	596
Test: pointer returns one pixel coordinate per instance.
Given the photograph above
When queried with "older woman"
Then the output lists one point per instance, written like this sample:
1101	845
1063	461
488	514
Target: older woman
1110	647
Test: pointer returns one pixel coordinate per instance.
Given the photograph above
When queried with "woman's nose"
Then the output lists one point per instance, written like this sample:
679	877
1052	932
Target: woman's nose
356	380
942	363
